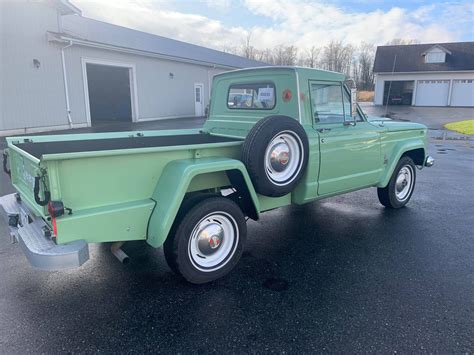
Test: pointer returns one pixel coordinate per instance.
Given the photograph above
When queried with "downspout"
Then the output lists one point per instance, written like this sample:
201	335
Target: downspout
66	90
209	81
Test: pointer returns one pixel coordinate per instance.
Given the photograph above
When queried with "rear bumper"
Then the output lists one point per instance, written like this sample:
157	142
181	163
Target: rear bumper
41	251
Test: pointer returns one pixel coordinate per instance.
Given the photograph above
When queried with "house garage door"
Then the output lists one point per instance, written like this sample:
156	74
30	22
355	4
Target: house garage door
432	92
463	93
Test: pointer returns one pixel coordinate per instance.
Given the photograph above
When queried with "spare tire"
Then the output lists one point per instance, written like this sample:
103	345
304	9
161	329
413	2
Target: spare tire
275	153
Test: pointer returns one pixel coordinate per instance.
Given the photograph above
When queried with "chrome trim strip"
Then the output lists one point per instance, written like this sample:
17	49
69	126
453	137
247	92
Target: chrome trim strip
298	94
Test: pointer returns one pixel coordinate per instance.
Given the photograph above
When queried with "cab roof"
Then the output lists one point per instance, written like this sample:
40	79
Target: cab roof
303	72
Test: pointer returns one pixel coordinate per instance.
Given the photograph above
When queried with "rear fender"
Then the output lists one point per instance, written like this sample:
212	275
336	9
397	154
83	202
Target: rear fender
398	151
173	185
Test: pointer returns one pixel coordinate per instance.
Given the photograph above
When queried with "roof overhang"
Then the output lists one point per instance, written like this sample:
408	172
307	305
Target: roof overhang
66	8
424	72
65	38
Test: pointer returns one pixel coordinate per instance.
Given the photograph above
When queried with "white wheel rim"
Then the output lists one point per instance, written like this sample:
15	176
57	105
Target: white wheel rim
284	158
404	183
213	241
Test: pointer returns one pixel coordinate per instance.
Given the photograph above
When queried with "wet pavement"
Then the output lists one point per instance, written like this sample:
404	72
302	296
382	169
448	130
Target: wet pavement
433	117
341	275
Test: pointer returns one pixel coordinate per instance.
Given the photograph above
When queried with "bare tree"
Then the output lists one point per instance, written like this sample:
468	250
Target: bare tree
248	51
356	62
338	57
310	57
363	67
285	55
265	55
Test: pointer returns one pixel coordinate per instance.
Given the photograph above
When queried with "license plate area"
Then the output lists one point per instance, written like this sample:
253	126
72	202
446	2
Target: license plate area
25	218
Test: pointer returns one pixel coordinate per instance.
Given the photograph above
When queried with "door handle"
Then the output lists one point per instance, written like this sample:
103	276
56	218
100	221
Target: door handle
323	130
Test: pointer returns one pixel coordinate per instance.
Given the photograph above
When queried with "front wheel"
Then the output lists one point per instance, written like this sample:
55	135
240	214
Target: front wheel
207	242
401	185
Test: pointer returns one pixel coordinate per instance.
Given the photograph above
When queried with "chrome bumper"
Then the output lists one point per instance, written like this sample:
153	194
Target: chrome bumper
30	232
429	161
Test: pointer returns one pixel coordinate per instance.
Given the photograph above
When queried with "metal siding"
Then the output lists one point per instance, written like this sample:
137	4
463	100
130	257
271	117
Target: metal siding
159	96
34	98
31	97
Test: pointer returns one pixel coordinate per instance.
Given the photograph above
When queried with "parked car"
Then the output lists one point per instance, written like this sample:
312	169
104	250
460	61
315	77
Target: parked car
191	191
396	100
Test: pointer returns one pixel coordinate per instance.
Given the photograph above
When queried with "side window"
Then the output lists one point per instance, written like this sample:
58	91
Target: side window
347	108
258	96
326	102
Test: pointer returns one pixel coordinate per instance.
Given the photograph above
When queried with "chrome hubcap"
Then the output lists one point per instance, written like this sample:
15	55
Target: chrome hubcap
213	241
283	158
280	156
210	238
404	183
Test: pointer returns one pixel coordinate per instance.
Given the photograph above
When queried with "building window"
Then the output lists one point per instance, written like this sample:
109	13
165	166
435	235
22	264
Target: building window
255	96
435	57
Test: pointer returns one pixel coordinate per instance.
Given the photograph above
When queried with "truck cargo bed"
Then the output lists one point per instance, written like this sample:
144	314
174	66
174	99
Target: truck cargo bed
37	149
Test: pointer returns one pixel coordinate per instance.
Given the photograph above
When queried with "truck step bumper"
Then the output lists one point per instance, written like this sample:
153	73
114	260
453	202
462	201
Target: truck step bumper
41	251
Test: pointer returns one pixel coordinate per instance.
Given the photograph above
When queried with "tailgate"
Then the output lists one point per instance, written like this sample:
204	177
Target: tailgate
24	170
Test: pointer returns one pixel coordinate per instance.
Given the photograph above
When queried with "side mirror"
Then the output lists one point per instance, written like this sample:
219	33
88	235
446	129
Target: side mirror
354	102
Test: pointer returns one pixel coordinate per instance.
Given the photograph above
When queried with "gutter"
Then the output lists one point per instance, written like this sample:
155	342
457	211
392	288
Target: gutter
66	90
61	38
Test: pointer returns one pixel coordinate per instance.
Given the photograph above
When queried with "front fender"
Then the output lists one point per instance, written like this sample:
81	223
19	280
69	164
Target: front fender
173	185
397	152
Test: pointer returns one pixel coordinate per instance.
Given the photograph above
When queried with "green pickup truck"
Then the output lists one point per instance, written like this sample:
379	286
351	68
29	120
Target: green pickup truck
274	136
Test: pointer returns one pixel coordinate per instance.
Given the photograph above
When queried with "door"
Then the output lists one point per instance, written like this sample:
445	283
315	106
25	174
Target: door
109	93
432	92
463	93
350	155
198	100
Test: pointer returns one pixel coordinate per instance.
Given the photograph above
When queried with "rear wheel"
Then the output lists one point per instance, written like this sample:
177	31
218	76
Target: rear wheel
207	242
401	185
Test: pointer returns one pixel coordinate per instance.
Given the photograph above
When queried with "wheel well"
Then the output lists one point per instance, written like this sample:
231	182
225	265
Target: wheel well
241	196
417	155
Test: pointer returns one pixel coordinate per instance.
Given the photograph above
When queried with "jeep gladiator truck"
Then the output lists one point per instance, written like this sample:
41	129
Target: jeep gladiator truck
274	136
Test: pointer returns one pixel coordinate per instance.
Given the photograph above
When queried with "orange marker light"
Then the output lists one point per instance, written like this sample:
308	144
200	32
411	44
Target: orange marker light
287	95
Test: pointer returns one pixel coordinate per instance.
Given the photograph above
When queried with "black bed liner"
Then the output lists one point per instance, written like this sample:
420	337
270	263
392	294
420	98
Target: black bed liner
37	149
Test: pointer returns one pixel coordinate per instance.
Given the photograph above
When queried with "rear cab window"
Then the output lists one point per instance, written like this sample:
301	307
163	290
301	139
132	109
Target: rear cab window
252	96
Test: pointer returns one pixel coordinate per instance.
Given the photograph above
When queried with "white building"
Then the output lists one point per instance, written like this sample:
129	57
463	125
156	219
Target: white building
425	74
59	69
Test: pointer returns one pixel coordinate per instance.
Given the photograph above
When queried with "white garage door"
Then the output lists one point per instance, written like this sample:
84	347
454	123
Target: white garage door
463	93
432	92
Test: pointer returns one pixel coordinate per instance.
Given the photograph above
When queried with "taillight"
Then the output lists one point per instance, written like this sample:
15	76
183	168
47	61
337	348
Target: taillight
55	209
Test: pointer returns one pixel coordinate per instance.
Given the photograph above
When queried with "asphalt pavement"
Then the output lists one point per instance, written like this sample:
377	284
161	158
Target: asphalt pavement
341	275
433	117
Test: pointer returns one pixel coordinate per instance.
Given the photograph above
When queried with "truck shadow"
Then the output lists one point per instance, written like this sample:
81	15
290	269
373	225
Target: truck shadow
297	259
